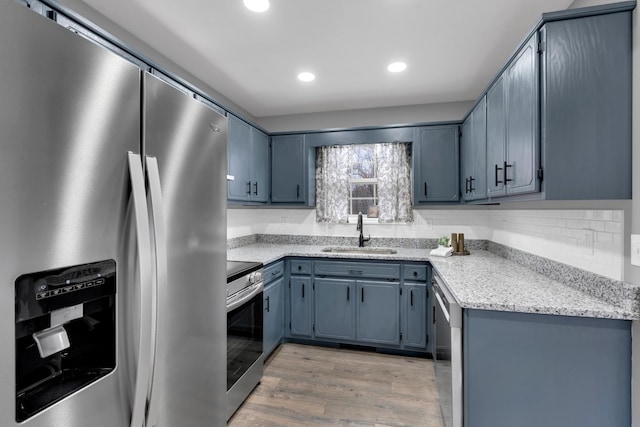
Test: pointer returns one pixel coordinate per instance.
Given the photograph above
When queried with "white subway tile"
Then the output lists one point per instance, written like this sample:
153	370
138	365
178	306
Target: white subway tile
617	216
589	214
612	227
604	215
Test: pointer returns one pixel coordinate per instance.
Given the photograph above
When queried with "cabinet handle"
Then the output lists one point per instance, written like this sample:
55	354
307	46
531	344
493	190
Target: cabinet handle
354	271
415	273
496	175
425	189
362	292
411	295
433	316
248	187
471	189
267	309
505	172
466	186
255	188
303	291
348	294
299	267
298	191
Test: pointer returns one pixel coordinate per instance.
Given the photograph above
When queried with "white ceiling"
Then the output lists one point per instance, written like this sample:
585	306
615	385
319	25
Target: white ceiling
453	48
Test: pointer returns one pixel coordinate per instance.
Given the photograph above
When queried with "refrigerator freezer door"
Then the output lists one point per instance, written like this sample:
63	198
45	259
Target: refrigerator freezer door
69	113
189	141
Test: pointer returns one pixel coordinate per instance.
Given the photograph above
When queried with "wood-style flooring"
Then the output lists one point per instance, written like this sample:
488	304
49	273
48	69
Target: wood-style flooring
316	386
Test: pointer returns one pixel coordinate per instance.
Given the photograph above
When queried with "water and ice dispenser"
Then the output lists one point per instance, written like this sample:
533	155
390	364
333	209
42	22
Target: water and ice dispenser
65	333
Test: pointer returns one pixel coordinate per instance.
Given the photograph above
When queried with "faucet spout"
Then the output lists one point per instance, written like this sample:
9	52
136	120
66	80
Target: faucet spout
359	227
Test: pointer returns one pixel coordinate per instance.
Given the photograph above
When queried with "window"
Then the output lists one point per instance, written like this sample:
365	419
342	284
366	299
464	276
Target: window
363	180
374	179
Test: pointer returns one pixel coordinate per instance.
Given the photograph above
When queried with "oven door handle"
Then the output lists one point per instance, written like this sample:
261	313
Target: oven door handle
246	295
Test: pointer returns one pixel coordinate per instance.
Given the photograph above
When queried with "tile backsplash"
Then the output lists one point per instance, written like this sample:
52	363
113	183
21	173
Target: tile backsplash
587	239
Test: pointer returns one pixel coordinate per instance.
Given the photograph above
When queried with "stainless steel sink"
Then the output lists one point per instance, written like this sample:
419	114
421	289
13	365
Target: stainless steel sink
356	250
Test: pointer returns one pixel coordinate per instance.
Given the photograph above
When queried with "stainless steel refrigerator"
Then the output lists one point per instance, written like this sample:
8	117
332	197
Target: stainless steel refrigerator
113	237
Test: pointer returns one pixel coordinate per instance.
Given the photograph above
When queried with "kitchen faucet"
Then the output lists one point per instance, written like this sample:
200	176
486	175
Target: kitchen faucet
361	240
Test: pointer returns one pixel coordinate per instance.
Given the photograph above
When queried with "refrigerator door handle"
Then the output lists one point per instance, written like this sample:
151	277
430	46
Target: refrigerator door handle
143	370
160	261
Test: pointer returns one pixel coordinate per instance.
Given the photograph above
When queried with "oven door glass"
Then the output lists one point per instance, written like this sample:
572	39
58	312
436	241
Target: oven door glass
244	338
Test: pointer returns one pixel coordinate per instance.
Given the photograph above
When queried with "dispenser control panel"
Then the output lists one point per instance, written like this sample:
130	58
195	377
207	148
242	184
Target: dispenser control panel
43	292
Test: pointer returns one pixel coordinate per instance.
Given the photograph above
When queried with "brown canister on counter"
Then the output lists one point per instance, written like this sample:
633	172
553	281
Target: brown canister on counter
460	242
454	241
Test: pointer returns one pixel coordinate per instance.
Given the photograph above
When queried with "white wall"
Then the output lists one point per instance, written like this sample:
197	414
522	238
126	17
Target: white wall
427	224
587	239
410	114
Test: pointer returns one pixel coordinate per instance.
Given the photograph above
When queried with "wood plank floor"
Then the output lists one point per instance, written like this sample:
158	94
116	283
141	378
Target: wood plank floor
317	386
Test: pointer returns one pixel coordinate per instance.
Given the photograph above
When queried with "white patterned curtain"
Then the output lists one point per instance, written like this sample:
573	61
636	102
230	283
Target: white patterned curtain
394	182
332	184
393	185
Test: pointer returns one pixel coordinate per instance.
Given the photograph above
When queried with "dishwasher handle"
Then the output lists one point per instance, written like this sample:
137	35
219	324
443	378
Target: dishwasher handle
447	302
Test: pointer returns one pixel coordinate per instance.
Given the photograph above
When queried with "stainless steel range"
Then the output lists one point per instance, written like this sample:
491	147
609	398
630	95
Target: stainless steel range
244	331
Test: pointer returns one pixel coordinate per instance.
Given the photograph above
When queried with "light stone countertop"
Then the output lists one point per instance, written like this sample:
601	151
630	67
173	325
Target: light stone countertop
481	280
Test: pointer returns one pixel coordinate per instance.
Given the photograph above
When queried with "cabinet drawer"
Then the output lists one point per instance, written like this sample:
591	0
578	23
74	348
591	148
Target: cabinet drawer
415	272
300	266
357	269
273	271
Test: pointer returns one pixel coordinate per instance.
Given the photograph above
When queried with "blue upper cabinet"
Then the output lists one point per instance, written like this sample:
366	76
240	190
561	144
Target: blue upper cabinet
473	160
522	161
512	123
288	169
558	117
239	158
435	153
260	169
586	107
496	138
248	162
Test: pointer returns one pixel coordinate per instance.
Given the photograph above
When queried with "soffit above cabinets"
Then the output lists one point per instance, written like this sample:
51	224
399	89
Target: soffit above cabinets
452	49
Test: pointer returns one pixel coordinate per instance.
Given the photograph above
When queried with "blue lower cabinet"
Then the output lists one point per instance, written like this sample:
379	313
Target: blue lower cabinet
300	297
273	315
335	312
378	312
358	302
531	370
414	315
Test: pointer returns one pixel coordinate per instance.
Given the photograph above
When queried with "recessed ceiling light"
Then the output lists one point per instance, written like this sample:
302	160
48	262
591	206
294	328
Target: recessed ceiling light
306	76
257	5
397	67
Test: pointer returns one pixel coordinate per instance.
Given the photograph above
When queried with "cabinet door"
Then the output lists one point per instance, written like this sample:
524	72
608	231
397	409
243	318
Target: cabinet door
273	315
496	138
436	170
522	121
301	308
378	310
288	169
259	166
479	138
415	315
334	301
239	138
473	149
466	159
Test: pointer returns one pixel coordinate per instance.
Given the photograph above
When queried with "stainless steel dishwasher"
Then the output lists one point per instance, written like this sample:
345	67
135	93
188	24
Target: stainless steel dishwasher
448	353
